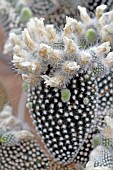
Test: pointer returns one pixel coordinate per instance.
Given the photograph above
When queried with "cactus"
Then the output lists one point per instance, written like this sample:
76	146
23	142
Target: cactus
20	12
54	12
64	71
4	18
68	76
93	4
106	133
102	155
18	147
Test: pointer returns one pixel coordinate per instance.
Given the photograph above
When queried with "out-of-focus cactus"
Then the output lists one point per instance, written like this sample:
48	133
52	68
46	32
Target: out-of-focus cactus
13	16
18	147
106	133
93	4
21	11
102	155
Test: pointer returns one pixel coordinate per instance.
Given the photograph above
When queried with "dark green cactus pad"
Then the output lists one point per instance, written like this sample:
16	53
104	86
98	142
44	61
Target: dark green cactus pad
65	125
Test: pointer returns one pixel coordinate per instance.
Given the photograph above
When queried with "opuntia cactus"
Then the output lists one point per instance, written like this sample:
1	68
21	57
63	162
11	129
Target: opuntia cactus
63	71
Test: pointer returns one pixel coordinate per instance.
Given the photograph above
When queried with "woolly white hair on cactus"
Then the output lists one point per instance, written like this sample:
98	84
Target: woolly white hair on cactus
15	14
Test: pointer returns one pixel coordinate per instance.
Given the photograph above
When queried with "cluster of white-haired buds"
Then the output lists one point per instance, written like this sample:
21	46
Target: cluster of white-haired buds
39	47
18	13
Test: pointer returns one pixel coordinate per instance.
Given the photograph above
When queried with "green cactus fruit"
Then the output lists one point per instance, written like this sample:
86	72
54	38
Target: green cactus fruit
91	35
25	15
65	95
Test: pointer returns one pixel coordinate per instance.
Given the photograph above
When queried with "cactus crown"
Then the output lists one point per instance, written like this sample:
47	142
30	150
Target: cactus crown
42	53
